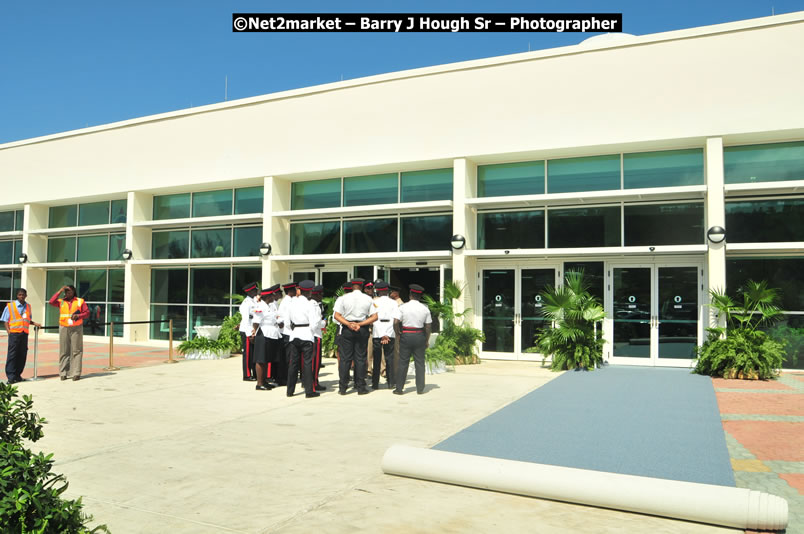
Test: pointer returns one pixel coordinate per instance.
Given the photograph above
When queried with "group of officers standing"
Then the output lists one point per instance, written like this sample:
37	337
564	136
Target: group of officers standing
282	336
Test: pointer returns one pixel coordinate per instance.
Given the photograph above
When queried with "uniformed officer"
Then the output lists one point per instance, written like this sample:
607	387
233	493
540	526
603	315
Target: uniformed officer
272	333
354	313
368	289
260	352
247	330
413	324
302	316
318	336
383	335
284	325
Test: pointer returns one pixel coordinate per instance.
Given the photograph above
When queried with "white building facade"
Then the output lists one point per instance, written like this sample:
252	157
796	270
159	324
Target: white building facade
615	156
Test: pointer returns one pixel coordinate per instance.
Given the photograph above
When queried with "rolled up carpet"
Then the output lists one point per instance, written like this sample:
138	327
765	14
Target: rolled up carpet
704	503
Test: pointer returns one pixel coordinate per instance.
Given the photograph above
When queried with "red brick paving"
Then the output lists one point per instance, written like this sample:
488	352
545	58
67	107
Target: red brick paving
796	480
769	440
760	403
748	384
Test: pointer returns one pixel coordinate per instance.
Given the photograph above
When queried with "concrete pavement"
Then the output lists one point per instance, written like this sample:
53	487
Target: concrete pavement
192	448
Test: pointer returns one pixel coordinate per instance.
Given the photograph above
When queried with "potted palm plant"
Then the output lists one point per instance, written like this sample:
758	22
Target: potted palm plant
457	341
573	342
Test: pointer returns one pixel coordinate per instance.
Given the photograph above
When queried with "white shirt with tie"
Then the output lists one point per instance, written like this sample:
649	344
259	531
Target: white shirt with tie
386	310
301	312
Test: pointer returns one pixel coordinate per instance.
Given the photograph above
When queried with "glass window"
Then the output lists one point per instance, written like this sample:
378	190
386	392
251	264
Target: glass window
117	244
764	163
91	284
786	274
765	221
172	206
583	227
55	279
165	313
315	238
315	194
119	211
169	286
60	249
93	213
366	190
209	285
170	244
63	216
664	224
510	179
207	316
212	203
6	221
6	287
248	200
93	248
592	274
670	168
212	243
426	233
244	275
247	241
576	175
369	235
17	250
117	283
19	219
116	316
422	186
7	252
510	229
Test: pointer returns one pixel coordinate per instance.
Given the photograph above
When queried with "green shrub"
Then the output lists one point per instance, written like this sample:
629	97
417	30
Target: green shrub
230	332
793	341
740	349
573	342
456	338
328	341
30	494
228	339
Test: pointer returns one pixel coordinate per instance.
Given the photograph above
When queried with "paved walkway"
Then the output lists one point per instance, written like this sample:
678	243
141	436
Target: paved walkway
96	357
764	426
192	448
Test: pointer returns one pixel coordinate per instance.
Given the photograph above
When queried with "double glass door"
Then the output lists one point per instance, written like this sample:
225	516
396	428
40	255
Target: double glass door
654	313
512	309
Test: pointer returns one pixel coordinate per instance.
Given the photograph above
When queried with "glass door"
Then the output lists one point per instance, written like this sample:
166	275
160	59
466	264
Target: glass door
655	314
512	310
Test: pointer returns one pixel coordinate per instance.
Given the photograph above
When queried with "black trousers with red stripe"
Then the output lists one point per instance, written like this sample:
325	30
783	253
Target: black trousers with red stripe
301	355
249	370
318	345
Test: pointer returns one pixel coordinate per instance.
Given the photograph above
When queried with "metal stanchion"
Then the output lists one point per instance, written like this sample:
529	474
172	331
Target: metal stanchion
111	350
170	346
36	355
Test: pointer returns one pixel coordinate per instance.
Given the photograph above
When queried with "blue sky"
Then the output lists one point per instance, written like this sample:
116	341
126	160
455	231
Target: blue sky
67	65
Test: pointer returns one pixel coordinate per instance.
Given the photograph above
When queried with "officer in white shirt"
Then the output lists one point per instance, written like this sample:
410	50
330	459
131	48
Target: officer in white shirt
413	324
383	336
318	335
354	312
301	318
273	336
260	345
247	330
284	326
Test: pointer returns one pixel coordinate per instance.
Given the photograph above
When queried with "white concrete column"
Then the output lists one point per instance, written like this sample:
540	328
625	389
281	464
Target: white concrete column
34	279
276	230
715	216
137	289
464	268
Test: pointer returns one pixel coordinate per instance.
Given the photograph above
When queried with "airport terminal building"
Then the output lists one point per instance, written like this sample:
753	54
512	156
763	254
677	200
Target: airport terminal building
630	157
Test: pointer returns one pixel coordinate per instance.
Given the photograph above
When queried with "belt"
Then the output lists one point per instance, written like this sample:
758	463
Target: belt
293	326
384	320
411	330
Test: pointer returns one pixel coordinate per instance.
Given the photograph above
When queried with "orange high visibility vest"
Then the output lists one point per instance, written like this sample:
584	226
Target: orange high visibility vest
17	323
67	309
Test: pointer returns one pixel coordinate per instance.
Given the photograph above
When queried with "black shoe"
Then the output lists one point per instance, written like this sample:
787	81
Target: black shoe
312	395
289	394
249	379
397	392
263	388
363	392
320	387
341	392
420	393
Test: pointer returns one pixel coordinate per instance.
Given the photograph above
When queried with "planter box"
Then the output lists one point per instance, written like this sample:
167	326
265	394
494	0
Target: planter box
216	355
